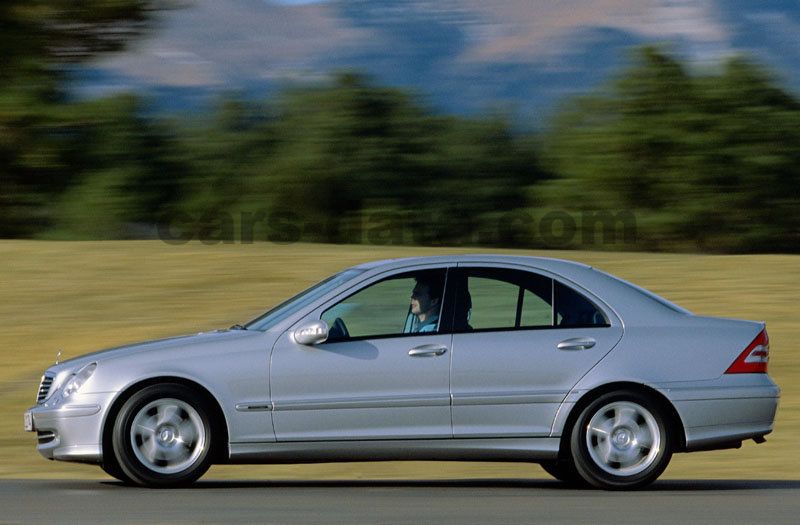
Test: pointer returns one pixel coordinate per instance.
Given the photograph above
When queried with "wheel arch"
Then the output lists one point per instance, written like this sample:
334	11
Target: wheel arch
219	423
679	436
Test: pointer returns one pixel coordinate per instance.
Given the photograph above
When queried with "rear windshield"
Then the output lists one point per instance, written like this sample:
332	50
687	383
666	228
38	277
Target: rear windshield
647	293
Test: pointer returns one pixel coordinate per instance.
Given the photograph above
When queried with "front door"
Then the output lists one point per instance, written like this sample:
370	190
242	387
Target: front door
383	373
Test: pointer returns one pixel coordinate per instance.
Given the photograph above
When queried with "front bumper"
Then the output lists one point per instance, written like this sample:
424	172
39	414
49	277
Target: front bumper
72	431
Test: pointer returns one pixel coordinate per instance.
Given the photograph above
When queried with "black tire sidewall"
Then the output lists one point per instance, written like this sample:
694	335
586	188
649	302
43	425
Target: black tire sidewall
130	465
563	469
598	477
111	467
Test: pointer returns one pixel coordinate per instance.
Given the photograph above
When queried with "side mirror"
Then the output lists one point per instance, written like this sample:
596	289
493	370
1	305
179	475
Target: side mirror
311	333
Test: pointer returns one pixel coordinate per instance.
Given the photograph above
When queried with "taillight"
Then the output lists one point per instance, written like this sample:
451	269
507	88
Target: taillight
755	357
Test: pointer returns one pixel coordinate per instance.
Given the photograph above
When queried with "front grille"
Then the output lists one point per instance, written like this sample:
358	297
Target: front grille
44	388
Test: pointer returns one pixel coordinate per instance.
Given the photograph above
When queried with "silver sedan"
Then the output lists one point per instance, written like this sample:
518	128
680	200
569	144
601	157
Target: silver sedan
486	358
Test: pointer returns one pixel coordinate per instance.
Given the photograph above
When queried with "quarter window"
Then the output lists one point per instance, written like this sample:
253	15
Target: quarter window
574	310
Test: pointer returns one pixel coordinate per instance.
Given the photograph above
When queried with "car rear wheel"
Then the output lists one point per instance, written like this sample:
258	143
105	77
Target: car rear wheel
621	441
563	470
162	436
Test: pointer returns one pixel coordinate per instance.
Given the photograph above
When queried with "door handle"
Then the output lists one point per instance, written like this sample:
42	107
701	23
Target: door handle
577	343
427	351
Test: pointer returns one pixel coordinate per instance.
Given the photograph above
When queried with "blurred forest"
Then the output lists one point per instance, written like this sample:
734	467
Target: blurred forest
681	159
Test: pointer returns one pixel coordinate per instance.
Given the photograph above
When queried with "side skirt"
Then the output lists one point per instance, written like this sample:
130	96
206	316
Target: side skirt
484	449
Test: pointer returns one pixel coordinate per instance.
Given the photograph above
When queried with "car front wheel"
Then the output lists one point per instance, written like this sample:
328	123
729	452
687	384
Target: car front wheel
621	441
162	436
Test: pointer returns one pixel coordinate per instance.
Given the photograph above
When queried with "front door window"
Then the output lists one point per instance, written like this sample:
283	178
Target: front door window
404	304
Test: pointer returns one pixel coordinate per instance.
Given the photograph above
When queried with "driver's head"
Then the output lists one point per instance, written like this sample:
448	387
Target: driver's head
426	295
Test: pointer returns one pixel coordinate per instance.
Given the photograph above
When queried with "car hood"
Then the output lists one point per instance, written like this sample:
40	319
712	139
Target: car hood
156	345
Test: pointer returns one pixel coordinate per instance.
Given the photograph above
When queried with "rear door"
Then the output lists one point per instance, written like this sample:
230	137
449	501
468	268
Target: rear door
521	341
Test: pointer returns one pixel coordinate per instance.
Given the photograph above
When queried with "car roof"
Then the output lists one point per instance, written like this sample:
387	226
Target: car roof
545	263
629	301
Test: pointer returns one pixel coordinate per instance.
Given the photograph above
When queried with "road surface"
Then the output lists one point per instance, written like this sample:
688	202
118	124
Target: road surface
439	502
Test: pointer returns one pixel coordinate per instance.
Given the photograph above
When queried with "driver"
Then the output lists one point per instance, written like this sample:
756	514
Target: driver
426	300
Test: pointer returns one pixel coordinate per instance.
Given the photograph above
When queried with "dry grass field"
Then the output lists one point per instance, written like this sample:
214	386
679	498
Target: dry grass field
83	296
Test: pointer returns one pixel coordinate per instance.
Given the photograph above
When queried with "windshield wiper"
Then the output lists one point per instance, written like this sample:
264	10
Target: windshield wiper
237	327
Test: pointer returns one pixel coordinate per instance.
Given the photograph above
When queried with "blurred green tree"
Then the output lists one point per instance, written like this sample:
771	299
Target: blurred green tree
348	161
706	162
40	39
125	168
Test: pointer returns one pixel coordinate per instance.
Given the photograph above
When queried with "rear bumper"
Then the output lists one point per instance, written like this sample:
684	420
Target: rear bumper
729	409
71	432
719	422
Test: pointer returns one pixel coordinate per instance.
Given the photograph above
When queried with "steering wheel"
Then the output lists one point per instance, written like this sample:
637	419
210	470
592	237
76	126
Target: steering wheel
338	331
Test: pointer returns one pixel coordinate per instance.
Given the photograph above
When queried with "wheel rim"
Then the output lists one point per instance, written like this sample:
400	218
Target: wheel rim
168	436
623	438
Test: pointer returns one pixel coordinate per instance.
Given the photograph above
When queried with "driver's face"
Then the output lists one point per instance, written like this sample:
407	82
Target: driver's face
421	300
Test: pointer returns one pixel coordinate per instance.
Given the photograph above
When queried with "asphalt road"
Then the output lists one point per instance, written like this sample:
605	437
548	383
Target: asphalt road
440	502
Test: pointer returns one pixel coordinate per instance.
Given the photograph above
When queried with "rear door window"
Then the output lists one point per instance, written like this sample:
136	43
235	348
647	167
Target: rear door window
507	299
502	299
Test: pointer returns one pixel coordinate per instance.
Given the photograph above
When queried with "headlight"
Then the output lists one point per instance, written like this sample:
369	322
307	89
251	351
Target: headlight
76	380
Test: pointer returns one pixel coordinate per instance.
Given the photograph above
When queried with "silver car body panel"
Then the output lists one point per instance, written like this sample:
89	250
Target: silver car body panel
485	398
340	390
507	449
70	432
713	407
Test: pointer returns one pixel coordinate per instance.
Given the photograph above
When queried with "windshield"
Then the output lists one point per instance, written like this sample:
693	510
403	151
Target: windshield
299	301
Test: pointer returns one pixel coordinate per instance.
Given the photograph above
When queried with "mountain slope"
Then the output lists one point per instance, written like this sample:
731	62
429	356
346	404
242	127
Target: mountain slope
463	56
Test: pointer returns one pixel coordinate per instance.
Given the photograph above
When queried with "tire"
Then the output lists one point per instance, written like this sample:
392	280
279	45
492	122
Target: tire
621	441
112	468
563	470
162	436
